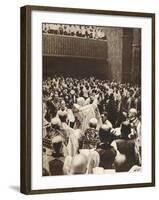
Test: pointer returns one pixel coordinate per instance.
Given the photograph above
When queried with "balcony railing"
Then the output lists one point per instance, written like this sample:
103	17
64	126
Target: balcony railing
59	45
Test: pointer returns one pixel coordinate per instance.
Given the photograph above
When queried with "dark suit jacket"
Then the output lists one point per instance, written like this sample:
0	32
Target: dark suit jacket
107	155
127	147
56	167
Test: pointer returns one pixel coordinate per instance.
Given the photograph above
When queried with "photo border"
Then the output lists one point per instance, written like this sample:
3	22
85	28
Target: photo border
26	99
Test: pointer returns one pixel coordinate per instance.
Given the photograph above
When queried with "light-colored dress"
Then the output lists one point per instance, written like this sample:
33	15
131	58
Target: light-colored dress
87	112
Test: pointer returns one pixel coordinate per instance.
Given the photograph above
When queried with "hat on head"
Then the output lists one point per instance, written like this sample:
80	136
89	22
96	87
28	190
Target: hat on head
72	92
80	101
93	121
57	139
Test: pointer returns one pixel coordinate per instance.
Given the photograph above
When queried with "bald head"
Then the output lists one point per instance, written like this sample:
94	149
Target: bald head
55	122
132	113
125	129
57	139
104	134
79	164
120	162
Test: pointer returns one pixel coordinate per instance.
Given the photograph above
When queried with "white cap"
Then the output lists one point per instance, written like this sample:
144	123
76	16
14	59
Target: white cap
72	92
93	121
80	101
133	111
57	139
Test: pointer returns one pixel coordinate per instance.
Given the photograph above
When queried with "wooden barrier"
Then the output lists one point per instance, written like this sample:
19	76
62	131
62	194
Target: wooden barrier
60	45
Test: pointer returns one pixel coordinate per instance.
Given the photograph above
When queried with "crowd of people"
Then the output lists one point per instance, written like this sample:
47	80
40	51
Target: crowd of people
75	30
90	126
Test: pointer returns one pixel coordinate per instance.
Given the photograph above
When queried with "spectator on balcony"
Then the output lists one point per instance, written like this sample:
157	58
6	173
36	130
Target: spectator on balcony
88	32
46	28
52	29
78	31
75	30
61	30
83	31
68	29
72	30
94	34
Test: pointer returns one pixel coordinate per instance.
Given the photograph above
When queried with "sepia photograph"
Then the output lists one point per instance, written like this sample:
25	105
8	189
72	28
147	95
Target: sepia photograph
88	99
91	99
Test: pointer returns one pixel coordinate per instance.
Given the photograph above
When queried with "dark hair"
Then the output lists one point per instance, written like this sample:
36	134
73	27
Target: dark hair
123	116
111	97
105	136
125	130
105	114
92	125
45	172
57	149
44	150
